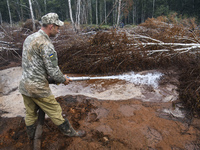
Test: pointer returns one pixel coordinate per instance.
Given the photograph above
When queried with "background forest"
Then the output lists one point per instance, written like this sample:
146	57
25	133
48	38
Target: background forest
98	11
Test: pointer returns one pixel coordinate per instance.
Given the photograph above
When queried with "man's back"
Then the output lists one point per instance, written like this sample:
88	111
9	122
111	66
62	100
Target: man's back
34	76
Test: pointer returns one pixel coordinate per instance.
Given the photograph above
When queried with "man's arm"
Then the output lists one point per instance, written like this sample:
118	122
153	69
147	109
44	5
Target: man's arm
51	65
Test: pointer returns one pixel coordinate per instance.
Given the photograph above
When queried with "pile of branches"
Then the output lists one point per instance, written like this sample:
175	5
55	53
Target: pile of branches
161	43
189	88
11	40
177	40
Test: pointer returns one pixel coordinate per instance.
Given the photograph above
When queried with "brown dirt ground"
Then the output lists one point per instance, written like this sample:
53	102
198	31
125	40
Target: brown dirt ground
119	125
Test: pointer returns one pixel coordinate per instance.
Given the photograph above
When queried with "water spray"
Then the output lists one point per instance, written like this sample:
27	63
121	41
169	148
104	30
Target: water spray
147	79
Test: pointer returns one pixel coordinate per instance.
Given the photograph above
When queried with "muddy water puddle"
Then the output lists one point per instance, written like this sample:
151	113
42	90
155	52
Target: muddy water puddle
143	86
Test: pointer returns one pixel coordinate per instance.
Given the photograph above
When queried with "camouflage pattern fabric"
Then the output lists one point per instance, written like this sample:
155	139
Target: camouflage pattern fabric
39	60
52	18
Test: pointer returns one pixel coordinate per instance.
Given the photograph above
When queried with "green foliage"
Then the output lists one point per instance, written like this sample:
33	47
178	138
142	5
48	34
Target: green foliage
162	10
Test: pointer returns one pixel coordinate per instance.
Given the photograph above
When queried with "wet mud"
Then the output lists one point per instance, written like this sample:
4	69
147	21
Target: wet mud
127	124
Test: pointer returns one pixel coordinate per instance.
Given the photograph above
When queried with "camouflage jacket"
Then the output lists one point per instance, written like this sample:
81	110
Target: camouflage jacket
39	60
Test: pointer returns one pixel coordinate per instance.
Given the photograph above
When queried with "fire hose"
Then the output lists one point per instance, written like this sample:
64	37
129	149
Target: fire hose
79	78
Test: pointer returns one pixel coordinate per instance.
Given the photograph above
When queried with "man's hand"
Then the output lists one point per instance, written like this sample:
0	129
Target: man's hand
67	80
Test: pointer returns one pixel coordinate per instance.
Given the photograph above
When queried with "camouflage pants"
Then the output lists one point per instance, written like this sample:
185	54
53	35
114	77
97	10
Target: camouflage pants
48	104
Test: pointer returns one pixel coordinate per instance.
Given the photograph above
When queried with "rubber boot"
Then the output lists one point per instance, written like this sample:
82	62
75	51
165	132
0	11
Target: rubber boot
68	130
31	131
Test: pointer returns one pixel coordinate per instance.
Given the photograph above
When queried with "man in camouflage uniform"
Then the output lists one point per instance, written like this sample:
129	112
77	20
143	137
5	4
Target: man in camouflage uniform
39	62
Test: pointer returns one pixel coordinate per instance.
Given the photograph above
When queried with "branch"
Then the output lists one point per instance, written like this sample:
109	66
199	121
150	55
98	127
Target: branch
186	38
168	44
142	36
187	49
7	43
6	33
195	37
146	37
9	49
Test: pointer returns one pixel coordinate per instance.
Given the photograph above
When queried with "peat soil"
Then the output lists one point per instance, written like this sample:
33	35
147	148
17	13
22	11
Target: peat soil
126	124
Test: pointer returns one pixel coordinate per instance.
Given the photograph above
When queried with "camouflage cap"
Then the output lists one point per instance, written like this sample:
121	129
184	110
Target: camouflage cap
51	18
